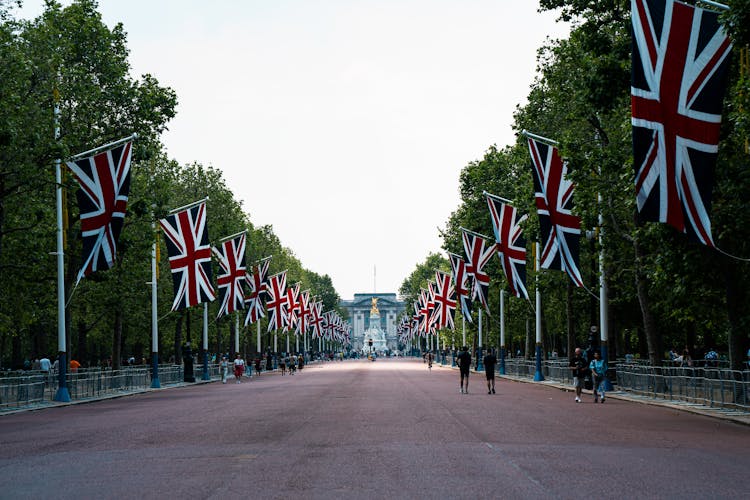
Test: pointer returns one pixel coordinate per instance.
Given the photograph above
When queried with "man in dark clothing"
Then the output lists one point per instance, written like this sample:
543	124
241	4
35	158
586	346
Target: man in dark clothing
489	370
578	366
464	364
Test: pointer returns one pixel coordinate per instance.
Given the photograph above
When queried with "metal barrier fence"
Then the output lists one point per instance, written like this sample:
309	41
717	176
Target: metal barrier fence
714	387
20	389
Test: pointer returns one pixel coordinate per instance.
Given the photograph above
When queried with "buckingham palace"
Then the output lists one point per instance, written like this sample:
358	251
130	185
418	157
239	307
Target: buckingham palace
374	315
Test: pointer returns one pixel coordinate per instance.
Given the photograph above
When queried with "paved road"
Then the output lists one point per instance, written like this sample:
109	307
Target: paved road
357	429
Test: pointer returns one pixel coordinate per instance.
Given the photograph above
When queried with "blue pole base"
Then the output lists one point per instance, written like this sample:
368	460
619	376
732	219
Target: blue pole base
501	369
480	365
453	359
205	376
538	375
606	383
62	395
155	384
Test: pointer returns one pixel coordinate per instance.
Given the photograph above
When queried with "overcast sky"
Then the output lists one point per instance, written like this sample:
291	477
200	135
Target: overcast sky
342	123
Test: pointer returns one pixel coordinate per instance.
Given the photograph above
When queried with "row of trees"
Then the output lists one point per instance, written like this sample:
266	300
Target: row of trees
663	290
69	52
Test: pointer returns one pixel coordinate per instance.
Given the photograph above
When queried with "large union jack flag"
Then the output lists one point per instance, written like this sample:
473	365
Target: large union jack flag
680	59
560	229
104	180
477	256
231	256
303	312
255	299
316	319
510	245
277	302
186	236
445	301
462	283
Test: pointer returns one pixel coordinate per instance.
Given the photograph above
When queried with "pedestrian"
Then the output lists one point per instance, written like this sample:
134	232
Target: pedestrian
428	357
292	364
45	365
598	373
239	368
282	365
490	360
578	367
74	366
300	362
257	365
224	367
464	364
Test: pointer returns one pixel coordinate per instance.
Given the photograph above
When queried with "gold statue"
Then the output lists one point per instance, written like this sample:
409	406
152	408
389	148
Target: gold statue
374	309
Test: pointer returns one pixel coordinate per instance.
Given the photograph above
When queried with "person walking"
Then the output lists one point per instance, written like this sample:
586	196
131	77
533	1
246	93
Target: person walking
598	372
464	365
239	368
282	365
428	357
578	367
224	367
490	360
292	364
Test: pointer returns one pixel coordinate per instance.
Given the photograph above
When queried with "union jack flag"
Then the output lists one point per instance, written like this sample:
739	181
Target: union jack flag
231	255
186	237
104	180
477	258
560	229
462	283
303	312
445	301
277	302
316	319
292	300
680	59
511	246
256	298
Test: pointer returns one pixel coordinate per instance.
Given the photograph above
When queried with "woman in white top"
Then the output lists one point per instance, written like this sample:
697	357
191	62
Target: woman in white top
239	367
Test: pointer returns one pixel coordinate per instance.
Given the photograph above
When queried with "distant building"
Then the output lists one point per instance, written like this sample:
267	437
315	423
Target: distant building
382	308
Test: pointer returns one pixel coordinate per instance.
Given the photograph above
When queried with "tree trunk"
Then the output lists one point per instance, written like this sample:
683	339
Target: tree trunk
738	322
117	339
653	339
529	348
81	353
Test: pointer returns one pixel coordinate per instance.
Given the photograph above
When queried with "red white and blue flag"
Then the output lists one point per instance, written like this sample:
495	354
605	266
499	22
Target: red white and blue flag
510	245
316	319
277	302
303	312
679	68
231	256
462	283
560	229
104	180
445	302
292	301
257	285
186	236
477	257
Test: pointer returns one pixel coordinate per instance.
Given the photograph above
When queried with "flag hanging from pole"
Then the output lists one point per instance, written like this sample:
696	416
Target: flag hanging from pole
679	68
292	304
445	302
258	292
186	236
477	257
104	180
462	283
303	312
277	302
511	246
316	319
560	229
231	256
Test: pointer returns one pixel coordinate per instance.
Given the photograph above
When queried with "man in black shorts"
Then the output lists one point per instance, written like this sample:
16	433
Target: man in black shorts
464	364
489	370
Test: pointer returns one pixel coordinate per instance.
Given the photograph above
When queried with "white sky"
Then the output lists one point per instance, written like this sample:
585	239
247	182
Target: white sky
342	123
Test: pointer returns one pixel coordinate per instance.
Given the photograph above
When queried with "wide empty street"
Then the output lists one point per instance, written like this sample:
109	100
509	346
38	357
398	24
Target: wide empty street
360	429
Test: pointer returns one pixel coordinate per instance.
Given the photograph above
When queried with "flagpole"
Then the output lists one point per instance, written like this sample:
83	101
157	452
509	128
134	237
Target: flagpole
603	299
189	205
480	366
237	335
257	336
104	147
206	376
155	384
538	376
62	394
463	329
539	138
502	333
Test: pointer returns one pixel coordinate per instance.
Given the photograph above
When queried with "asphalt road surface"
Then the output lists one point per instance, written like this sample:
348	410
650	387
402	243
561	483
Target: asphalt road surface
359	429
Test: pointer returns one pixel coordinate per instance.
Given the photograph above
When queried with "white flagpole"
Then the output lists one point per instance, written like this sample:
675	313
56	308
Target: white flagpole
463	331
603	299
538	376
155	384
502	332
480	366
62	389
257	336
206	376
237	334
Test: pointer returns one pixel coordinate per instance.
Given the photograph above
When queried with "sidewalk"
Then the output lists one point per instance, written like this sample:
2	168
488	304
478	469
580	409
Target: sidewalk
739	417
